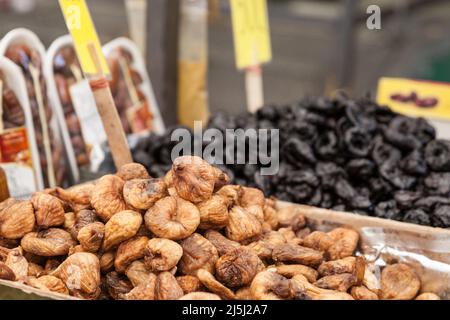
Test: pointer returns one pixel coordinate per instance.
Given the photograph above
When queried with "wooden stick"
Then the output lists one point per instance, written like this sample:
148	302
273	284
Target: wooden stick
108	112
1	106
43	119
129	81
254	88
76	72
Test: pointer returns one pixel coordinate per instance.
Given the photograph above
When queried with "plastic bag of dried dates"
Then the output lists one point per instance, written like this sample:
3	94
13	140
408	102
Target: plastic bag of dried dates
71	96
25	49
19	153
132	89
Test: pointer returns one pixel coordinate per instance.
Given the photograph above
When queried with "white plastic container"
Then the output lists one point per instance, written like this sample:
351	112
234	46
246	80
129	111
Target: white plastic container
139	66
16	82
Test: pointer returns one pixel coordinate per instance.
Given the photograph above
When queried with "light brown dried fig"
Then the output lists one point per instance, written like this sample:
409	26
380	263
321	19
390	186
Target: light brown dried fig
303	233
35	270
78	197
189	283
48	243
132	171
138	274
232	192
122	226
242	226
48	210
428	296
237	268
69	221
172	218
77	248
162	254
292	253
6	273
80	273
193	178
291	270
198	253
269	285
222	244
371	282
208	280
143	291
258	213
117	285
288	234
339	282
251	197
167	287
82	218
270	214
16	219
49	283
399	282
344	244
91	236
315	293
107	198
344	265
17	263
200	296
291	217
318	240
263	249
129	251
244	293
214	212
107	261
51	265
143	193
362	293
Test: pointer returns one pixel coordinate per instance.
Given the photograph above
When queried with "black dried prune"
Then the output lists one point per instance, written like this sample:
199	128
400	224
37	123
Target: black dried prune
437	155
327	200
360	119
383	152
327	145
268	112
429	203
401	133
424	131
438	183
405	199
360	168
316	198
441	216
414	163
388	210
296	151
329	173
417	216
394	175
358	142
305	132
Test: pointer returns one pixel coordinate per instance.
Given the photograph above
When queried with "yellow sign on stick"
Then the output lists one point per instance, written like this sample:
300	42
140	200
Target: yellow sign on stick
79	22
251	32
415	97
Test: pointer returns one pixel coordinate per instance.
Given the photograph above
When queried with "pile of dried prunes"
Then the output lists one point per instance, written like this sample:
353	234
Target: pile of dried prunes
341	154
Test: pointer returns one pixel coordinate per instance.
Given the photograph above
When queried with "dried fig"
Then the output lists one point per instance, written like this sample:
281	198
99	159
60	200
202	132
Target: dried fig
198	253
318	240
345	265
129	251
339	282
222	244
78	197
17	263
6	273
291	270
399	282
117	285
107	198
258	213
80	273
122	226
49	283
69	222
162	254
428	296
315	293
48	210
269	285
51	265
143	193
237	268
91	236
16	219
172	218
292	253
371	282
291	217
189	283
362	293
138	274
244	293
232	192
344	244
132	171
48	243
270	214
167	287
208	280
193	178
143	291
251	197
35	270
200	296
107	261
242	226
214	212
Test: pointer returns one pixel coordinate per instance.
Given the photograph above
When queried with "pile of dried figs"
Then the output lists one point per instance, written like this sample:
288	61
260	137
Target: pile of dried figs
189	235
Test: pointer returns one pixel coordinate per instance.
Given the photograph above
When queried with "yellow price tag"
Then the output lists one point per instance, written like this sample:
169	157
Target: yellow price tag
251	32
79	22
415	97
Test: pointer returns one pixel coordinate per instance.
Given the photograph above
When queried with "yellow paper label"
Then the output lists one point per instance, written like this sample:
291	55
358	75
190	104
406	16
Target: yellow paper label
79	22
415	98
251	32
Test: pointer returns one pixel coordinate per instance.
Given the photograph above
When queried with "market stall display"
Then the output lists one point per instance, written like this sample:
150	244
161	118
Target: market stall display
341	154
188	235
24	48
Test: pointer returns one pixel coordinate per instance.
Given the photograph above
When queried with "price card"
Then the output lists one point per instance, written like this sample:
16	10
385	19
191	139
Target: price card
415	97
251	32
79	22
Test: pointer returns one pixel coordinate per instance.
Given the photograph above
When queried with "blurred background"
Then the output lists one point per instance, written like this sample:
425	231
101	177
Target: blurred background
318	45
